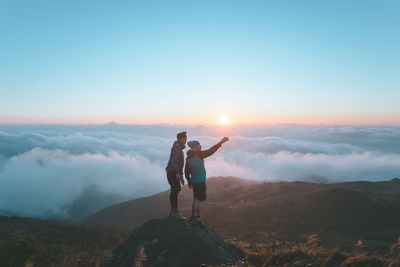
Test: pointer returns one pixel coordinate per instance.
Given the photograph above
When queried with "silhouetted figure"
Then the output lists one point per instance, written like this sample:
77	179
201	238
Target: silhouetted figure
175	172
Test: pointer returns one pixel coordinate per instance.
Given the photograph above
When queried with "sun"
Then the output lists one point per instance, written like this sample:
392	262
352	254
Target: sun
223	121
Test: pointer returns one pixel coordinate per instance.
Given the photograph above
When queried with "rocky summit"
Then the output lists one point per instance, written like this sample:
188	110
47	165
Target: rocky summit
169	242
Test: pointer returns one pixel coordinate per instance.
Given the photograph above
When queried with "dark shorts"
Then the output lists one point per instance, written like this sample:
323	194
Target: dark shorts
175	184
199	191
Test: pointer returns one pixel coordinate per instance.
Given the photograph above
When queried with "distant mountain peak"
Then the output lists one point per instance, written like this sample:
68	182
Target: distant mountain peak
112	123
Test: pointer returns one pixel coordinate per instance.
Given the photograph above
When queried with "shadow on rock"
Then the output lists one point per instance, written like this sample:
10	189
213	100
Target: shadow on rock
168	242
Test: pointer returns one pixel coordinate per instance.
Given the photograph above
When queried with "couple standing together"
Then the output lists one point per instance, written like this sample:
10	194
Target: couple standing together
195	173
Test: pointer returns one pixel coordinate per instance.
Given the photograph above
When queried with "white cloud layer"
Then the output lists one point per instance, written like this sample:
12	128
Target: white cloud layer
71	171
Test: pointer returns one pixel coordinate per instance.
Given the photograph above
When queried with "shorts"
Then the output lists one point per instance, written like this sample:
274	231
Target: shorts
199	191
173	182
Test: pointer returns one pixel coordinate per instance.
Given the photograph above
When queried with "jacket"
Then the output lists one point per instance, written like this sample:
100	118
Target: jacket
176	159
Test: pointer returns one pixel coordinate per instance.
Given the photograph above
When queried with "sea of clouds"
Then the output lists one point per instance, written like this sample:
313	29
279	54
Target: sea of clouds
68	172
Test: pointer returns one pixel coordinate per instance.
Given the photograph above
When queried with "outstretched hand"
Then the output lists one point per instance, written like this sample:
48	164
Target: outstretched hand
224	140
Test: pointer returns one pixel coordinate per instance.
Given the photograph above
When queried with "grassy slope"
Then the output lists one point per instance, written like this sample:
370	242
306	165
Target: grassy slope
273	221
24	238
262	212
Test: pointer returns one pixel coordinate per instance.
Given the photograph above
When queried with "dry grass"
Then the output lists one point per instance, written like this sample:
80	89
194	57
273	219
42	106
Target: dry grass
311	253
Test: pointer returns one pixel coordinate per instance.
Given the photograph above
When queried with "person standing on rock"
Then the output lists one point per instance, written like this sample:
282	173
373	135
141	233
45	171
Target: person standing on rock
195	173
175	173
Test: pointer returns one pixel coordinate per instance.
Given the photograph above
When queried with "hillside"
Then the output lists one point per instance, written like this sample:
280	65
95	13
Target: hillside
136	212
339	213
51	243
273	223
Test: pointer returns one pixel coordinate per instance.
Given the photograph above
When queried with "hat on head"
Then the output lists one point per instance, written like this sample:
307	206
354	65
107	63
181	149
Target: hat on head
181	135
193	143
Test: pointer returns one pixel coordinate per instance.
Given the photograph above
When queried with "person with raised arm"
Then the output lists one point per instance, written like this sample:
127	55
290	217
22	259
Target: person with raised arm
195	173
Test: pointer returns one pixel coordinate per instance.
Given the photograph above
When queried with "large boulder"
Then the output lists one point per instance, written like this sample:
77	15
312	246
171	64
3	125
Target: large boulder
169	242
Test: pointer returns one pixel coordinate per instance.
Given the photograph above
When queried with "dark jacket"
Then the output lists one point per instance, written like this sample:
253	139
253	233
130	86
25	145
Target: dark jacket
176	159
194	168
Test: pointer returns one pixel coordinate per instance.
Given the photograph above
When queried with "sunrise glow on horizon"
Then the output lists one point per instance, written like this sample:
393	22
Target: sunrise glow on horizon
223	121
268	120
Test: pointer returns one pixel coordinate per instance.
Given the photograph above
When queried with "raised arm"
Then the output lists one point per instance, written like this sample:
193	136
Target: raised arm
206	153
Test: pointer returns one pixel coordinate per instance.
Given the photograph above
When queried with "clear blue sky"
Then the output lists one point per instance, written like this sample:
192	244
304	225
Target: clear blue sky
193	61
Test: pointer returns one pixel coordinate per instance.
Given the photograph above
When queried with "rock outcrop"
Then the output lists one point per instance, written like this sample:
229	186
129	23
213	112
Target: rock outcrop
168	242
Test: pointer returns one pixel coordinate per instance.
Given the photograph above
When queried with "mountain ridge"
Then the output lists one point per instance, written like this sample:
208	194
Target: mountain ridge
261	211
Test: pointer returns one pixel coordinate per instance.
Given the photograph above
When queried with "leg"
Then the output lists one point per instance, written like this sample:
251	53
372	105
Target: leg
173	196
173	199
199	195
175	188
194	204
198	210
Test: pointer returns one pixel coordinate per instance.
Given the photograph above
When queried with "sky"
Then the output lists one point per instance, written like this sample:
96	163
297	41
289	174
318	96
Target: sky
260	62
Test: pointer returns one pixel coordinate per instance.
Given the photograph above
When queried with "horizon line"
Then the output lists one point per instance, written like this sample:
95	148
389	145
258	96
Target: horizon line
196	124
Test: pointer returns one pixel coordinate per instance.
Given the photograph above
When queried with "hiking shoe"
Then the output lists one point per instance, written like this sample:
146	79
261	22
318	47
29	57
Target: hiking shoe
172	213
178	216
195	220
